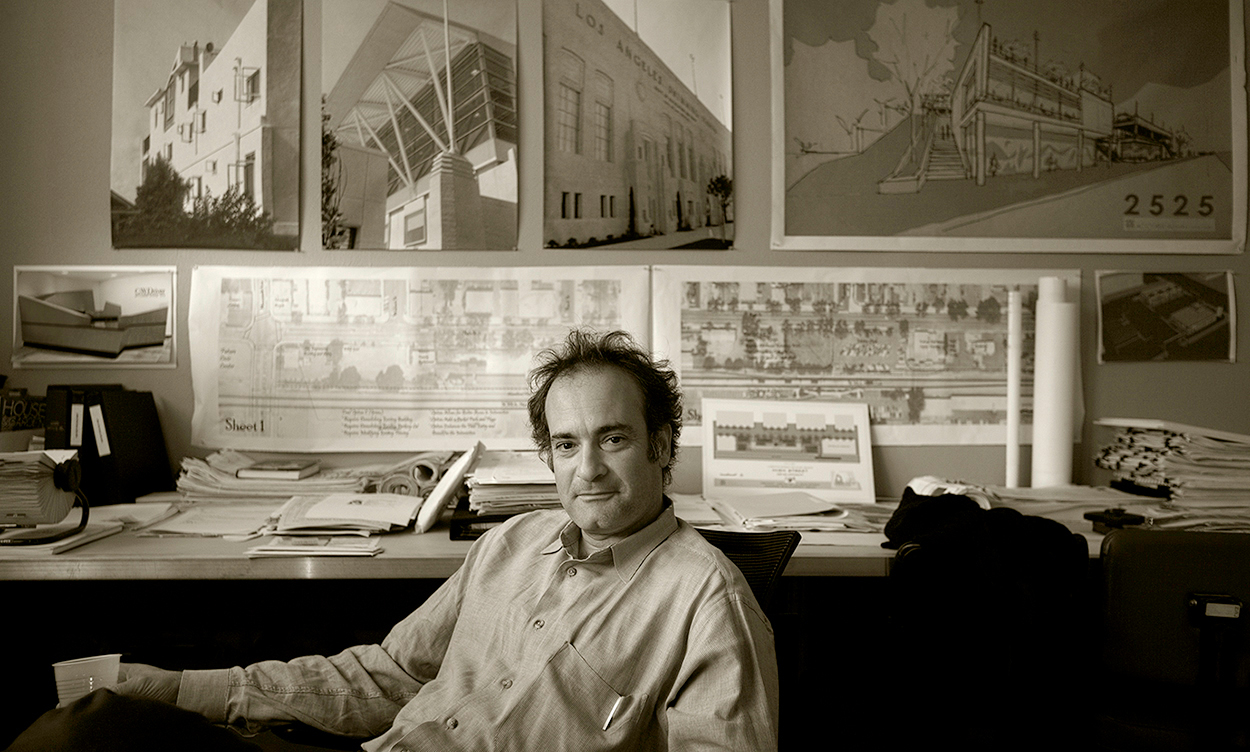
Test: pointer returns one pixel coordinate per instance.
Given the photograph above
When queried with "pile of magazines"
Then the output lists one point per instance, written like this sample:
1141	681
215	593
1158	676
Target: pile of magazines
1185	465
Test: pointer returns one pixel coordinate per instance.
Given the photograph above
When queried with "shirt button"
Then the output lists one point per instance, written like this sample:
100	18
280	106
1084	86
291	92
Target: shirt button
506	683
572	571
538	624
452	723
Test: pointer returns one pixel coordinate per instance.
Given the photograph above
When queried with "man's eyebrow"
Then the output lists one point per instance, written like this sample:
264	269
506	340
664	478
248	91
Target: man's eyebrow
600	431
615	428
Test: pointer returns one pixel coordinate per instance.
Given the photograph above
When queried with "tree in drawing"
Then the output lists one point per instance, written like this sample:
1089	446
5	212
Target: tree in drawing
917	44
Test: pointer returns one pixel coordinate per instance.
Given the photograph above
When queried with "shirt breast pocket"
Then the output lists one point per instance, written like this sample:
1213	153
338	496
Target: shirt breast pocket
570	707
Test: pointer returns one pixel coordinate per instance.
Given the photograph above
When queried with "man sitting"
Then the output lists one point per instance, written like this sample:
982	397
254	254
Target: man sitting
608	625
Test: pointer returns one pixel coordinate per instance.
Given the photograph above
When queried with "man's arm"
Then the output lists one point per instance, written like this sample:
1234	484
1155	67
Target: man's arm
726	696
357	692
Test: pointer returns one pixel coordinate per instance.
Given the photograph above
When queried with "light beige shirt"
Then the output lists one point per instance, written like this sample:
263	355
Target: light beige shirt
653	643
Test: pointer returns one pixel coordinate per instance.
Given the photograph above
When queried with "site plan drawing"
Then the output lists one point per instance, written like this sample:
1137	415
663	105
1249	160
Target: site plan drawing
386	359
925	349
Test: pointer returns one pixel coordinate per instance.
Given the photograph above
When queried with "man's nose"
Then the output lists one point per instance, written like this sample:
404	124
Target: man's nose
590	464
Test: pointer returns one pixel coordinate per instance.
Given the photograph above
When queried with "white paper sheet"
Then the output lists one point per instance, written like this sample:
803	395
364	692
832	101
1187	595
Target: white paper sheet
926	348
386	359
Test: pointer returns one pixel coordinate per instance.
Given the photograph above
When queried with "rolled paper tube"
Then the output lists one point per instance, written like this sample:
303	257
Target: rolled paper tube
428	467
1055	389
1015	341
399	483
424	471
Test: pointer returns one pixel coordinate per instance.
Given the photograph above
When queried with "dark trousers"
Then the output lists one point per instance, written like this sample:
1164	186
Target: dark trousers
107	722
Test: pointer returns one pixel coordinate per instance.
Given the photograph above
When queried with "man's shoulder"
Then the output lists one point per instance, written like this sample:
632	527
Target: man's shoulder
536	527
695	554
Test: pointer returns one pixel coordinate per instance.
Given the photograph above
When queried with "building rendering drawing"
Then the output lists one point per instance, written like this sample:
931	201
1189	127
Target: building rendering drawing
965	125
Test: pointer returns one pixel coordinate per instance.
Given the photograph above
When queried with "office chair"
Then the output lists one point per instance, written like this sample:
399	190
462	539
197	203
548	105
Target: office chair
1175	642
761	557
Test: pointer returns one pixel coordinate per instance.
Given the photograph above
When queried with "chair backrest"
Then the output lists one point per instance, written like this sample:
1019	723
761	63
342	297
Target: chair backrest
760	556
1175	642
1151	581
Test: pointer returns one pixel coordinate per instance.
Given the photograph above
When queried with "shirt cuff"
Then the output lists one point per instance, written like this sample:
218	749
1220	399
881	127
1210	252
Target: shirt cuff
206	692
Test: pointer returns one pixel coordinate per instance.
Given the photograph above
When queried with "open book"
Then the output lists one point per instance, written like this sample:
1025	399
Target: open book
347	513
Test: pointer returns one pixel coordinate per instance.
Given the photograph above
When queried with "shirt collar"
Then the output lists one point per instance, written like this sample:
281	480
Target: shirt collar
629	554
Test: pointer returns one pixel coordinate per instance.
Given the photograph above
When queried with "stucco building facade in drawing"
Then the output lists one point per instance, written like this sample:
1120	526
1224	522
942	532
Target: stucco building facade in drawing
628	146
229	115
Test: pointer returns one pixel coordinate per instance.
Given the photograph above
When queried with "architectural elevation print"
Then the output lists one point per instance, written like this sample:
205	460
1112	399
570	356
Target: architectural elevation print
206	124
397	171
991	125
638	128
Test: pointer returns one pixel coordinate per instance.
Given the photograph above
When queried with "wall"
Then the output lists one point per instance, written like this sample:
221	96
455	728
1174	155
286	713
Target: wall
54	148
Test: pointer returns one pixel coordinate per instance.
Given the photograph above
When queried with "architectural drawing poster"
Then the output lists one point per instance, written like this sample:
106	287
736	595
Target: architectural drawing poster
926	349
386	359
206	124
639	128
397	171
963	125
763	447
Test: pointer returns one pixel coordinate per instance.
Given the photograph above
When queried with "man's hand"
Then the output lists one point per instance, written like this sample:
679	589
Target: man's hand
142	680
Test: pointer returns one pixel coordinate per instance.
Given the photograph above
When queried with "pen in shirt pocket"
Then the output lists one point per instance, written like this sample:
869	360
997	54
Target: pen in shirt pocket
612	713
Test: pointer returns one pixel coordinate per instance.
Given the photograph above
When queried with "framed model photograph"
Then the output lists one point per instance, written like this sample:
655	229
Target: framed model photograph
94	316
963	125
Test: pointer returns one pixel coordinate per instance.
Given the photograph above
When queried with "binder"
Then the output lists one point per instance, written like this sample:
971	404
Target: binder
117	433
59	411
136	462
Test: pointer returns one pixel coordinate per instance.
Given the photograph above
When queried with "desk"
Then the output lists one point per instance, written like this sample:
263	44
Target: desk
201	603
127	556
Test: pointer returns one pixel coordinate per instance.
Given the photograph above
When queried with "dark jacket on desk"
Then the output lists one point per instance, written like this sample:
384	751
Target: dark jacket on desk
986	608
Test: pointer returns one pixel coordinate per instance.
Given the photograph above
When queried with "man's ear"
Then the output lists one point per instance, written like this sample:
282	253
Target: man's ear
662	439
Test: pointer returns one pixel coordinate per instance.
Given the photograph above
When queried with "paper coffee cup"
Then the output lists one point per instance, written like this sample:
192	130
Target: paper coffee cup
79	676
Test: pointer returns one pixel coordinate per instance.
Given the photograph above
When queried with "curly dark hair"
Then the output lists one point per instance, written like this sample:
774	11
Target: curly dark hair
587	349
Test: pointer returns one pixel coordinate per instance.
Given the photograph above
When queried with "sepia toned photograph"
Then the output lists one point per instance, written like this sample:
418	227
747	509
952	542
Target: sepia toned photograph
94	316
1158	316
638	124
418	125
206	124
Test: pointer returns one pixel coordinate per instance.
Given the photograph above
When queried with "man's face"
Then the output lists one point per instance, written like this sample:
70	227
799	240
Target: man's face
599	448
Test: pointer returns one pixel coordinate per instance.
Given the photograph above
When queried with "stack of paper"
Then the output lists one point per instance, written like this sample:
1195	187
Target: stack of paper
346	514
304	545
798	510
30	494
511	482
213	479
1191	466
781	511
